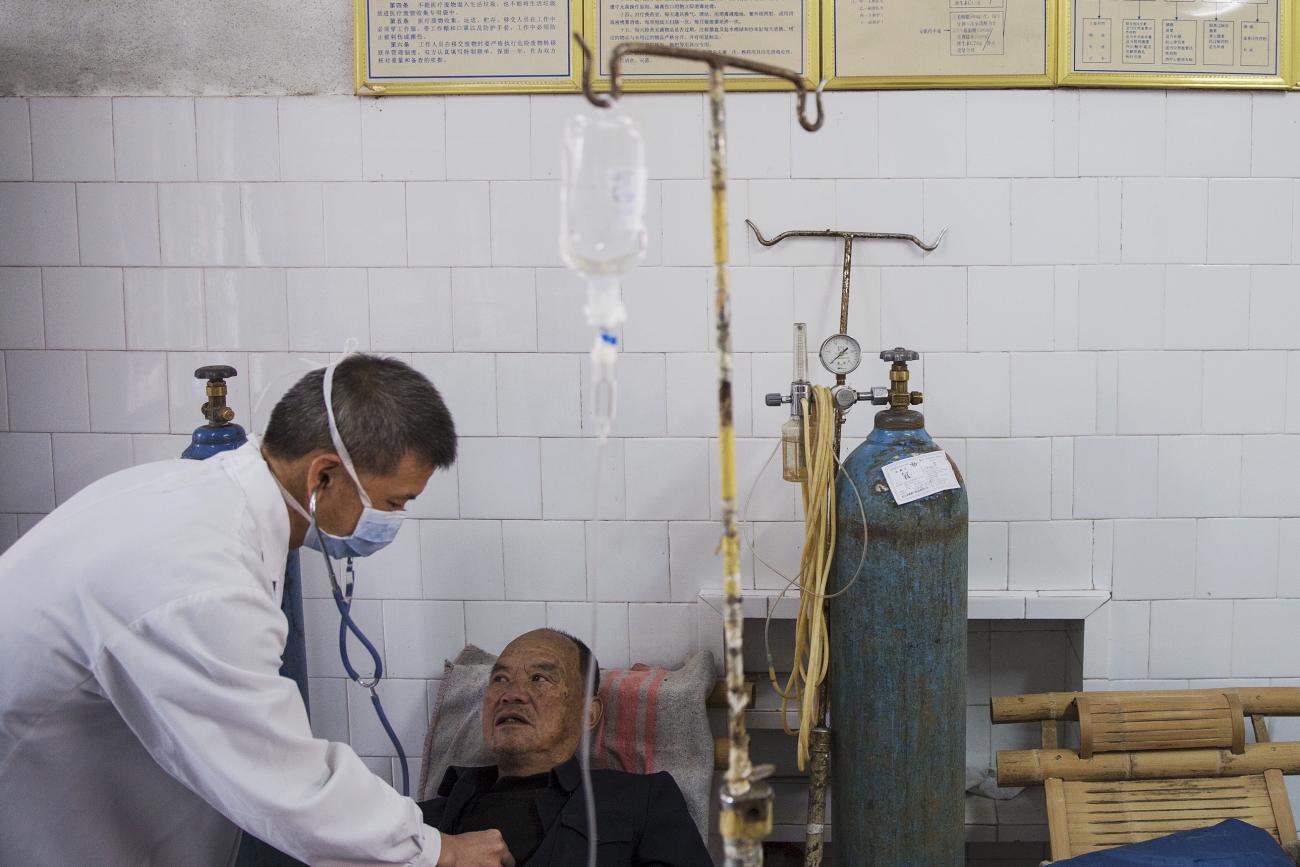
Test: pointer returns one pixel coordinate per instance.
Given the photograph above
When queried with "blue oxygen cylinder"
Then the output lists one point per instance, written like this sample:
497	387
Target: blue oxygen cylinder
218	435
898	652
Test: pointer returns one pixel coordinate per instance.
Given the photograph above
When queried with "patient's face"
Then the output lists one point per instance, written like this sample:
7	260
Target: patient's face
532	710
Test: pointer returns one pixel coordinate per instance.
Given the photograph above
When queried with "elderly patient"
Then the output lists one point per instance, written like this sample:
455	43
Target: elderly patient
532	724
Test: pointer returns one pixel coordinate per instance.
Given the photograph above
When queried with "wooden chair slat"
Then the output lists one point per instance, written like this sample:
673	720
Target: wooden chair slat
1203	700
1092	833
1180	740
1084	704
1187	720
1127	724
1164	713
1156	786
1132	707
1050	733
1104	816
1282	815
1158	813
1135	744
1058	826
1124	807
1238	745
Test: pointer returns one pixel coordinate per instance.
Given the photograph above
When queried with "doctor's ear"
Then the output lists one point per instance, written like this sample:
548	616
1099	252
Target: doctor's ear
319	470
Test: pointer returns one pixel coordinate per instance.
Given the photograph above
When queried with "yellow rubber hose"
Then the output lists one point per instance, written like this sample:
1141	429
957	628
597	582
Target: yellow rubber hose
811	660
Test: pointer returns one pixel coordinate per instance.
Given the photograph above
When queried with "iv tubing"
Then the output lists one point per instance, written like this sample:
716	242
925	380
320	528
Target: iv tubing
593	676
791	582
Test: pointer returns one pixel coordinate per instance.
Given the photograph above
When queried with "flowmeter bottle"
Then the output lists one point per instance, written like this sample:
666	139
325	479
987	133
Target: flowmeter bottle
794	460
602	230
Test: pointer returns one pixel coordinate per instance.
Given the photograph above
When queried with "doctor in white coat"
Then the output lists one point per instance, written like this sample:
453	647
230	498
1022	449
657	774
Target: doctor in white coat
143	720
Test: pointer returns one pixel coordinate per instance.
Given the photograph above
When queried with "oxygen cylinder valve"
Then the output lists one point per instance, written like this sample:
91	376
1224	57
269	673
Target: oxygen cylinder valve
220	431
215	410
899	396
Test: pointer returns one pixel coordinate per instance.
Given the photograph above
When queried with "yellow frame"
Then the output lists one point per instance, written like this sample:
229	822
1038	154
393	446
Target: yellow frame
697	83
1047	78
819	46
365	86
1286	77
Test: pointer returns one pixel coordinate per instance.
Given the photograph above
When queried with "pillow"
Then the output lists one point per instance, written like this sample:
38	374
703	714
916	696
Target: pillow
455	735
668	705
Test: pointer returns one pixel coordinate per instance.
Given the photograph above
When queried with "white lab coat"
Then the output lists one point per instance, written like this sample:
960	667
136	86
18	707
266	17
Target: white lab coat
141	709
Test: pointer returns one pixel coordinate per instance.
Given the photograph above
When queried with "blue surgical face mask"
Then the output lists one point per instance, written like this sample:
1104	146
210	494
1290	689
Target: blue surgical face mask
375	528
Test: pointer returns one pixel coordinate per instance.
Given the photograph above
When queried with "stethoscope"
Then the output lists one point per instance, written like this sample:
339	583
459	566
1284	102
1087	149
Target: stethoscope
343	601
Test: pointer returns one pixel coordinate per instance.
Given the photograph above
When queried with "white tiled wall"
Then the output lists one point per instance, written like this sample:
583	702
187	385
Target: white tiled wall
1109	333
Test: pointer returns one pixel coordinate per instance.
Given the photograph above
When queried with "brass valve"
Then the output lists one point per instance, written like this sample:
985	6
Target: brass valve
215	410
899	395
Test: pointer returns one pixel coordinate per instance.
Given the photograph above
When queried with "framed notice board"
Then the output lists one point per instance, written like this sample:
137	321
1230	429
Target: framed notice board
1177	43
466	46
526	46
871	44
783	33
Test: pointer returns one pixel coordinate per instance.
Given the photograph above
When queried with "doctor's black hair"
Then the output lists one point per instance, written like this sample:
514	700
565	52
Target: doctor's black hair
586	659
384	410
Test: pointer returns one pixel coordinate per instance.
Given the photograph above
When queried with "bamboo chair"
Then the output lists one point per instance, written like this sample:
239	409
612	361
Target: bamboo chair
1152	763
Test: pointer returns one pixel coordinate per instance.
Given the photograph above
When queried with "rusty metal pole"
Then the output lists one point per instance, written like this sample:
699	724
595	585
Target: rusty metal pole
746	818
819	767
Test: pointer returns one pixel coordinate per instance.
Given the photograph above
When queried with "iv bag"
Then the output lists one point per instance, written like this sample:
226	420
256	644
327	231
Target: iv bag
602	197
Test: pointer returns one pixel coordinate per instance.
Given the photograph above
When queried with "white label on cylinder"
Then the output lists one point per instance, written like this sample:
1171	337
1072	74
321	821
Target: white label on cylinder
920	476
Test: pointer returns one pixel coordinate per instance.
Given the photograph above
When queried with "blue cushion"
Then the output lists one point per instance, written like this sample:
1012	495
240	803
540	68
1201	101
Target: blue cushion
1229	844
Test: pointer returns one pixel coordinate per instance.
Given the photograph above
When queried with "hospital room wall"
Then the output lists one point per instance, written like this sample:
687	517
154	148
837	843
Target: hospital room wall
1108	332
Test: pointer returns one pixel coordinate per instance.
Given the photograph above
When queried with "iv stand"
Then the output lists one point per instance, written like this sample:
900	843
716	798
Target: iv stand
746	800
819	739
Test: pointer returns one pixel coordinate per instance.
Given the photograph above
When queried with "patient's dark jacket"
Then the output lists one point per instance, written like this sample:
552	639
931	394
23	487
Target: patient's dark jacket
641	820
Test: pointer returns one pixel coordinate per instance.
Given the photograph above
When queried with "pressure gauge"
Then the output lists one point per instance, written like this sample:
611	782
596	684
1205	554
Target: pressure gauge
841	354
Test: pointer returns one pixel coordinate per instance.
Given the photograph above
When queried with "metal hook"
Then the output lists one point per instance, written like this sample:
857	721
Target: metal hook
847	236
812	126
712	59
588	73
